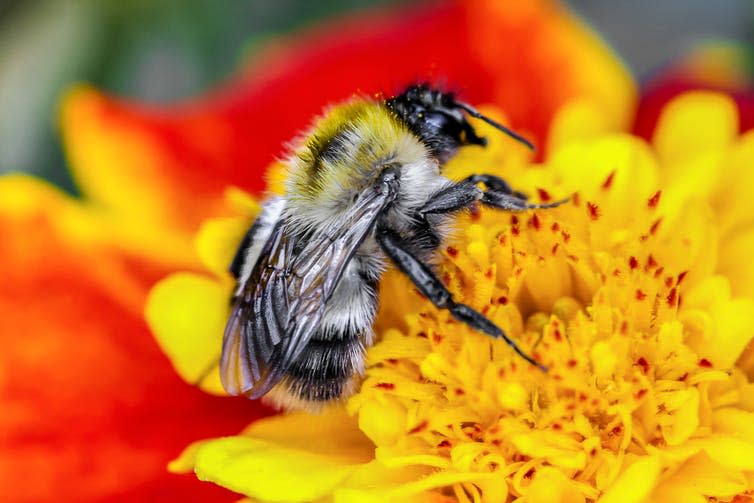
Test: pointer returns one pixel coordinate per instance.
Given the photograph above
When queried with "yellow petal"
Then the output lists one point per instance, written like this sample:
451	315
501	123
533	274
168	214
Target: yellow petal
734	422
732	201
695	122
709	478
730	452
735	262
683	419
676	492
383	422
634	484
187	313
733	321
551	486
269	471
186	461
579	119
217	240
332	431
735	328
294	457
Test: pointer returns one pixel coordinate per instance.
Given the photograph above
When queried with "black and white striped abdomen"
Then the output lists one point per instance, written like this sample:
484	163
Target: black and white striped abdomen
333	359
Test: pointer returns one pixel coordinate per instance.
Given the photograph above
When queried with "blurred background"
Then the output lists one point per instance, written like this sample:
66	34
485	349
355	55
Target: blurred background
168	50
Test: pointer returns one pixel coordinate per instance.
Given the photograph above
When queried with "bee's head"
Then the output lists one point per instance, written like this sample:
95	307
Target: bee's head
439	120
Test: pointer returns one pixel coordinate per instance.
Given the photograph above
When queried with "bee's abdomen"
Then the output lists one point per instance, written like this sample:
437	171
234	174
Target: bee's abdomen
324	368
335	354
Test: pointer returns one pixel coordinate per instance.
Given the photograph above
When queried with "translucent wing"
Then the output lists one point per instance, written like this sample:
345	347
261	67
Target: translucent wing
281	305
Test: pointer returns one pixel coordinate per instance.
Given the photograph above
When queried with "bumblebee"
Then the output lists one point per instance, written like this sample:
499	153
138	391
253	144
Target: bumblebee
365	189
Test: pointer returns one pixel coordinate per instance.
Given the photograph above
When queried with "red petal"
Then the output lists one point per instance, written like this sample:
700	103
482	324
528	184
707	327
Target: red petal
91	408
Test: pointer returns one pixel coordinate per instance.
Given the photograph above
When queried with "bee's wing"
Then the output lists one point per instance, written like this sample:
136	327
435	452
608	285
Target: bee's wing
282	303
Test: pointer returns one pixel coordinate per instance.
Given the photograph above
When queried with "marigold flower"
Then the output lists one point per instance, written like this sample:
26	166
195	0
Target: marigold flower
433	419
625	294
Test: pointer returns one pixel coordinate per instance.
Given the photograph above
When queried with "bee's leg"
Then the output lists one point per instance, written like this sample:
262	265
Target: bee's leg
509	202
463	194
453	198
431	286
497	184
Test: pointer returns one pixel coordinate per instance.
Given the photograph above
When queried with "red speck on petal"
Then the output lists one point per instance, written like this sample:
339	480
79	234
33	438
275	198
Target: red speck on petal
616	272
672	297
488	273
544	196
654	200
486	309
566	236
556	334
555	227
514	220
571	363
515	230
453	252
742	498
655	226
643	364
557	426
640	394
651	262
423	335
633	263
617	430
459	392
534	222
681	276
705	363
668	281
445	443
608	181
502	239
554	249
436	338
385	385
419	427
594	210
576	199
640	295
624	328
659	272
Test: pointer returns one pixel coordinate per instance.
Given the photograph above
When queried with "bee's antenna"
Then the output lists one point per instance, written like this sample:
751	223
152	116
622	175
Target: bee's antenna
475	113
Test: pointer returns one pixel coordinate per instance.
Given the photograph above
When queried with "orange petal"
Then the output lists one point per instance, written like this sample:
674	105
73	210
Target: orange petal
540	57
